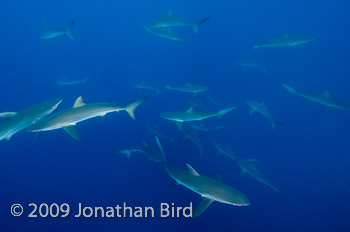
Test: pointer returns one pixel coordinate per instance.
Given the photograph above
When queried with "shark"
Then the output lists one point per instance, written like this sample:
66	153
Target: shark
203	127
251	64
209	188
165	33
67	119
17	121
190	135
155	129
172	21
324	99
285	41
50	33
190	115
153	154
262	109
65	81
145	85
189	88
245	166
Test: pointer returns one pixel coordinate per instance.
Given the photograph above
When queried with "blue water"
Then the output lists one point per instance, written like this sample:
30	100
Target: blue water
307	157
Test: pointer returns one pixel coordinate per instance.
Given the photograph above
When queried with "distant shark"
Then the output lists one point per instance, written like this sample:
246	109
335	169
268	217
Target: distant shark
245	166
324	99
156	130
16	122
145	85
153	154
190	115
67	119
166	33
203	127
251	64
210	189
191	136
171	21
188	88
262	109
50	33
285	41
65	81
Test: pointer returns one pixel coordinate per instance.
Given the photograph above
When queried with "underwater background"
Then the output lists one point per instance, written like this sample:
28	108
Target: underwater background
307	156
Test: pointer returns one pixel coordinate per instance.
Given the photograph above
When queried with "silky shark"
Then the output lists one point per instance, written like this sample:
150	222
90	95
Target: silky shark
190	115
153	154
16	122
188	88
285	41
145	85
67	119
66	81
166	33
245	166
262	109
210	189
171	21
190	135
324	99
50	33
156	130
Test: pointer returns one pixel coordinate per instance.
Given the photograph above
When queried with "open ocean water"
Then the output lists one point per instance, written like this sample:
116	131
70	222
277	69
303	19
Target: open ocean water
117	46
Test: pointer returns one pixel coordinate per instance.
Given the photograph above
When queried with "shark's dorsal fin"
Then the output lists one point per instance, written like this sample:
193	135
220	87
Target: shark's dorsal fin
285	35
190	110
218	178
326	93
191	170
79	102
7	115
170	13
188	84
72	132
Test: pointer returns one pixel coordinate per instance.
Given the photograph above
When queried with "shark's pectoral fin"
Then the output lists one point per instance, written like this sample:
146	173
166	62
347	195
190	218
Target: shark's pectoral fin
243	172
8	137
7	115
203	205
191	170
72	132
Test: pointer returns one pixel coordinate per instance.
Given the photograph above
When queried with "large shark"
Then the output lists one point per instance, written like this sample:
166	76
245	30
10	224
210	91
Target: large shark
66	81
166	33
324	99
145	85
245	166
285	41
67	119
190	115
210	189
188	134
188	88
262	109
50	33
16	122
171	21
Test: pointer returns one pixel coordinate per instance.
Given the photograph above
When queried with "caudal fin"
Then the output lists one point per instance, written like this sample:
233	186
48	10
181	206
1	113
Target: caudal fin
125	152
290	89
69	30
196	26
225	111
132	107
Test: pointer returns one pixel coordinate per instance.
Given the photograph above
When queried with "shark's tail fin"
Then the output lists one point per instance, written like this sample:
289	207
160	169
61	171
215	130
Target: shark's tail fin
161	149
225	111
126	152
196	26
69	30
290	89
132	107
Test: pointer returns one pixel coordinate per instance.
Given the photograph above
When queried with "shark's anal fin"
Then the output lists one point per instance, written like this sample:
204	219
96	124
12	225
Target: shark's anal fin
79	102
7	115
72	132
191	170
203	205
